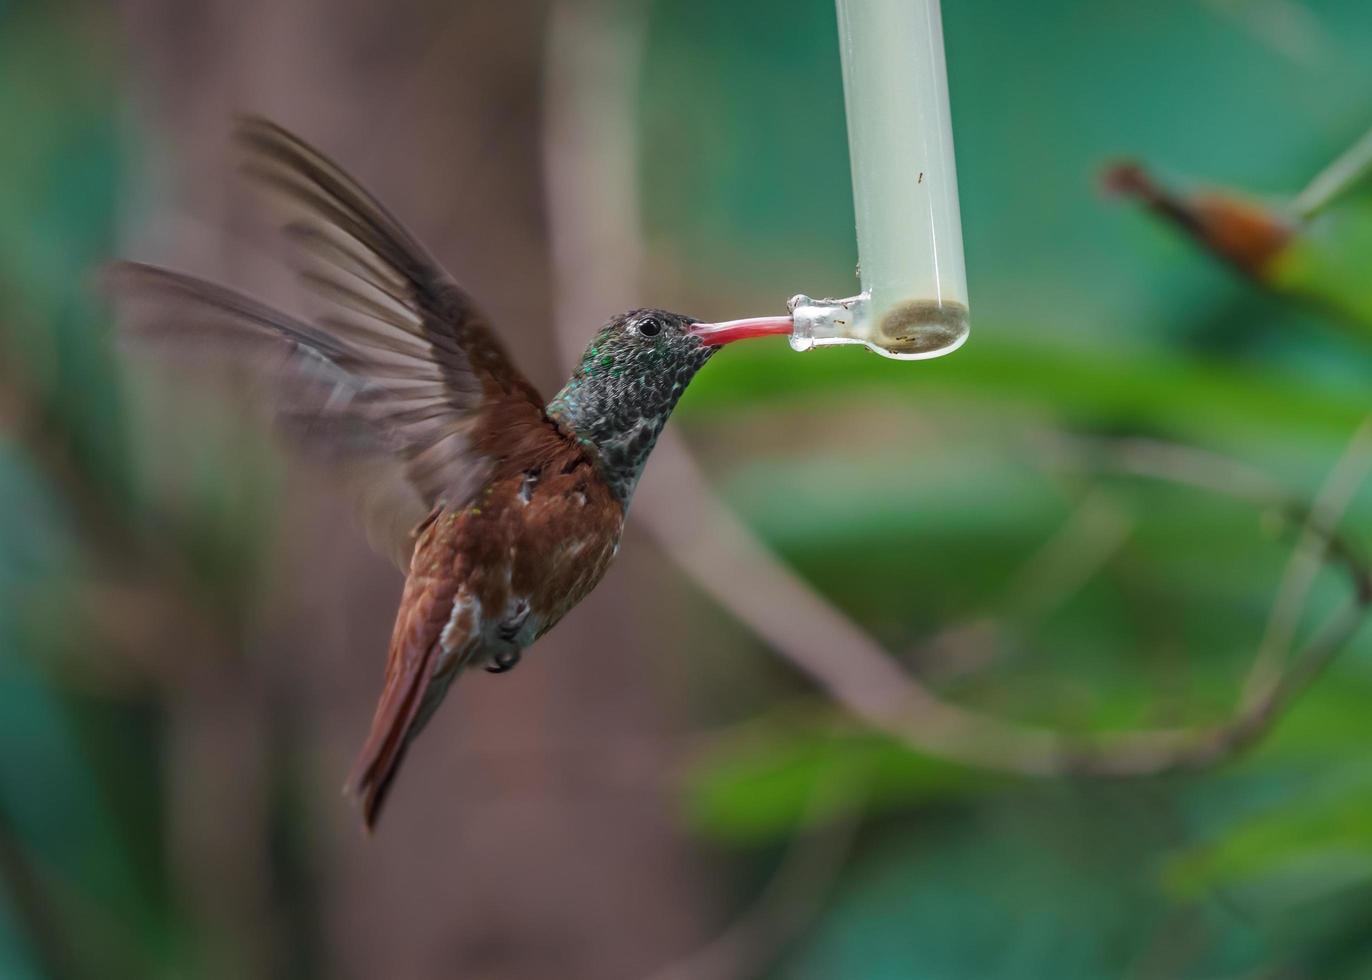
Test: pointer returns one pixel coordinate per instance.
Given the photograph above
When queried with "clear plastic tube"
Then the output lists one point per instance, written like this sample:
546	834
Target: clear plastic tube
914	284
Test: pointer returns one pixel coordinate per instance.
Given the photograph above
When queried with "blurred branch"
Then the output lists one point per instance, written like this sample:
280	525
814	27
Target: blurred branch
1349	169
1267	689
1278	247
1204	470
589	162
1316	546
1242	233
1090	537
33	908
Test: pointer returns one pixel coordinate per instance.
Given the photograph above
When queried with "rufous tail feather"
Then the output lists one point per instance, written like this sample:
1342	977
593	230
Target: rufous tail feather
409	672
380	758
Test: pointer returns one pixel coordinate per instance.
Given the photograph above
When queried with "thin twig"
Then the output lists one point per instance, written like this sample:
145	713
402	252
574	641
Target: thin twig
1319	544
1092	535
1153	753
1085	543
1349	169
1308	557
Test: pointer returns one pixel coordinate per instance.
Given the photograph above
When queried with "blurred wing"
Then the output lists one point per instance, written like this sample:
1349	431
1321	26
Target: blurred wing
403	380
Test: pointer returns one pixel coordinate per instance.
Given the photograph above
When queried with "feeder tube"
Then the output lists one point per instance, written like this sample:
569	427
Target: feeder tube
914	285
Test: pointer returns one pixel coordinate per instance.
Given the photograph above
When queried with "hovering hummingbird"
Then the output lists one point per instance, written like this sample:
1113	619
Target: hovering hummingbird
504	509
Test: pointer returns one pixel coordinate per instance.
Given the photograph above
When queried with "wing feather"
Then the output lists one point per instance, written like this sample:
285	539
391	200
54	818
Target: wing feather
398	379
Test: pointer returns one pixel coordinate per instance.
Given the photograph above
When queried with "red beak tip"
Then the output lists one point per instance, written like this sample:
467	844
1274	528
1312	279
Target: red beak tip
728	331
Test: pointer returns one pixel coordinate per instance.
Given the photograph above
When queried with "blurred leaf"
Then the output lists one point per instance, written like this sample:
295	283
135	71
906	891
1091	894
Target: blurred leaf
50	799
58	205
765	781
1327	264
1121	391
72	878
998	894
1317	844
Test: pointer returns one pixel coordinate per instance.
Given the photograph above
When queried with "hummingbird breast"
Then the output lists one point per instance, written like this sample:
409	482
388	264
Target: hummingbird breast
530	546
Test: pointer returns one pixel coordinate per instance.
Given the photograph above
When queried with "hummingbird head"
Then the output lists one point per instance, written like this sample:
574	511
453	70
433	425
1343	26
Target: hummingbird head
630	378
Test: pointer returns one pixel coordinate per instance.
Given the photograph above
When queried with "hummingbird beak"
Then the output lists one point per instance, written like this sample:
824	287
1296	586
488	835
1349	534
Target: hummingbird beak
727	331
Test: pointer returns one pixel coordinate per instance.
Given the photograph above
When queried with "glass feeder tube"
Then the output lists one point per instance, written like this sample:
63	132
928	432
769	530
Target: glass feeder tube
913	303
900	139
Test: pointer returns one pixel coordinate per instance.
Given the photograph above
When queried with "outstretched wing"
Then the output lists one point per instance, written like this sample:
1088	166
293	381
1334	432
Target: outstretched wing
403	380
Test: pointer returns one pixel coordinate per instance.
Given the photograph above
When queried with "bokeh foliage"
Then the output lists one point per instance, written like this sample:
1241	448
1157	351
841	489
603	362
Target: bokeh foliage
87	538
919	499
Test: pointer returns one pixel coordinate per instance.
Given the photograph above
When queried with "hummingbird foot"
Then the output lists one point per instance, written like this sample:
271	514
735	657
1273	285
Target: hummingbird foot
503	661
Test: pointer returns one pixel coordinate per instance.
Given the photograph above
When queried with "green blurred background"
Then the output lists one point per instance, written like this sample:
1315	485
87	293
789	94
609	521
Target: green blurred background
191	631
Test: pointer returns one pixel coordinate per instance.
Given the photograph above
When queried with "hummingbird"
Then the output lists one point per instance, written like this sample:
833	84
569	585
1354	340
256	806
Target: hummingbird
503	509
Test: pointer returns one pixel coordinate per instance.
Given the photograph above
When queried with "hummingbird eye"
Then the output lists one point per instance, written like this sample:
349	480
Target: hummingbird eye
650	326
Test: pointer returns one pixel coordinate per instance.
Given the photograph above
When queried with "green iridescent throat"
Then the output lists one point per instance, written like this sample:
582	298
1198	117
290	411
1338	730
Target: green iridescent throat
623	391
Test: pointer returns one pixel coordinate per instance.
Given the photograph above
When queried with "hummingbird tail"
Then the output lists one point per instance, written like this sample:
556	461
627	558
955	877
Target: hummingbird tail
393	727
407	700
